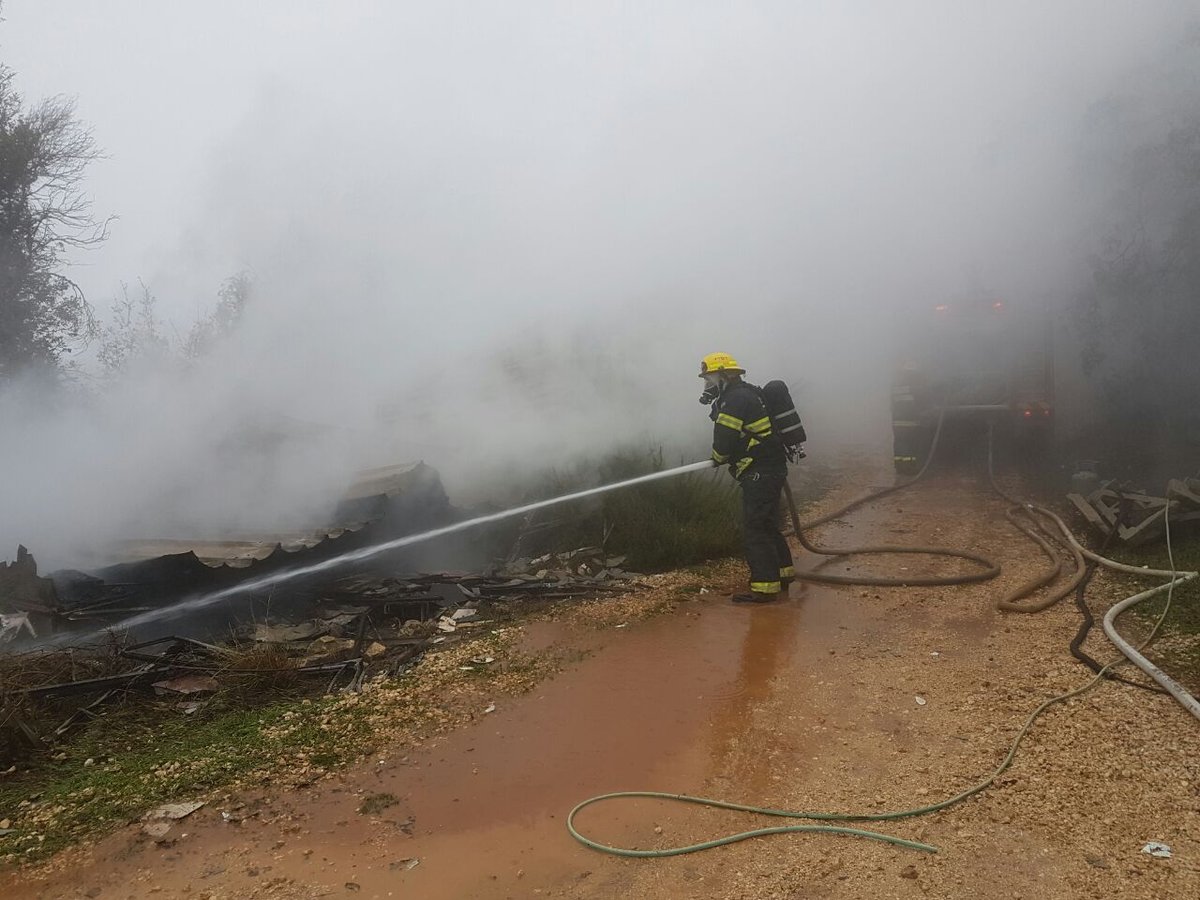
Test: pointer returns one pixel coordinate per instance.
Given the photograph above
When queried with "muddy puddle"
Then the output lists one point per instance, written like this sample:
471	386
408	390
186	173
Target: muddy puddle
655	705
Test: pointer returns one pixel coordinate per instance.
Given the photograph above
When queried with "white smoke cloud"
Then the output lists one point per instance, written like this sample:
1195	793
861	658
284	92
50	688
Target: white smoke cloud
500	236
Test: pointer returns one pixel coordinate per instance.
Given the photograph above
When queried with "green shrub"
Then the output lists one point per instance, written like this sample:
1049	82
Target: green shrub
656	526
669	523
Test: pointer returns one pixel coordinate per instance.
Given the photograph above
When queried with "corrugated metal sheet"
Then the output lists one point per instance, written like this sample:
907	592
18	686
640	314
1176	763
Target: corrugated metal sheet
236	554
364	503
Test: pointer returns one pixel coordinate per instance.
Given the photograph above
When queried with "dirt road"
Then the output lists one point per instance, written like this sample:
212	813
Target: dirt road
809	703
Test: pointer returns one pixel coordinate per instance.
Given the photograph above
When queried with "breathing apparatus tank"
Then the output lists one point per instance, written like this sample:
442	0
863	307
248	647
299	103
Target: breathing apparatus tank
785	420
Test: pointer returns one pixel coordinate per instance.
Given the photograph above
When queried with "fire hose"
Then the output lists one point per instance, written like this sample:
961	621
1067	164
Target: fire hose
1176	577
1088	621
988	571
815	816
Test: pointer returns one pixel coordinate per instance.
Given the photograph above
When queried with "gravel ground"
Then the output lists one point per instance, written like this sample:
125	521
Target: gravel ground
823	714
1096	778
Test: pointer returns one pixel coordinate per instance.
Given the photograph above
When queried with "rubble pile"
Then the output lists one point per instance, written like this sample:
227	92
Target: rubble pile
1138	517
27	601
377	616
587	568
361	626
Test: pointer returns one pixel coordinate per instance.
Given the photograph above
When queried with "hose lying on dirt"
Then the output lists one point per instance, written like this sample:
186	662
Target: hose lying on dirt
1078	584
1134	655
989	568
1088	620
1034	530
1168	684
821	816
1010	601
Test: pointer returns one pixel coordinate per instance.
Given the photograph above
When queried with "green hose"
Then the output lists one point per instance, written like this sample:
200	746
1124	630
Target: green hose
733	838
816	816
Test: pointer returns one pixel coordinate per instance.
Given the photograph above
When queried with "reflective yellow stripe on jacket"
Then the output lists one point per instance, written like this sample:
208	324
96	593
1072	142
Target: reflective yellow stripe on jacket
742	429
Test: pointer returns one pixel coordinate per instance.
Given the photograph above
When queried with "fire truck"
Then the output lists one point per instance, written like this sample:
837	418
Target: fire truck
973	364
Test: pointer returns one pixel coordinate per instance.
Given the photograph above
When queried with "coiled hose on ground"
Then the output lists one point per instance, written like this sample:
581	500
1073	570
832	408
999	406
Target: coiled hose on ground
989	568
1023	518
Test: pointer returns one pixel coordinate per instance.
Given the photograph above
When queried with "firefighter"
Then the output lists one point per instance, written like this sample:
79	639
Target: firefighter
744	440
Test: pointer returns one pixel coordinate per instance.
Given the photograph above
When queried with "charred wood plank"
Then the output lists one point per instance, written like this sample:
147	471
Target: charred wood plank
86	685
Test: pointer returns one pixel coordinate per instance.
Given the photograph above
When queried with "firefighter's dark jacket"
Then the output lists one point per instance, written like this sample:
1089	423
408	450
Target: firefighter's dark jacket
742	435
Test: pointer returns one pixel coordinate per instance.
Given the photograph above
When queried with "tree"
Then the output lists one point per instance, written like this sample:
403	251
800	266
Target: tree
208	330
1138	316
44	214
134	337
135	333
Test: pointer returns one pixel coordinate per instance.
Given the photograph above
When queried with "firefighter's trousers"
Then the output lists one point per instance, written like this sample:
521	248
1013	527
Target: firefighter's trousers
767	551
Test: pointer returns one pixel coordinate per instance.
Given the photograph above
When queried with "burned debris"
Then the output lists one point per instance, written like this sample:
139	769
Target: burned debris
137	575
362	627
1136	516
327	632
28	604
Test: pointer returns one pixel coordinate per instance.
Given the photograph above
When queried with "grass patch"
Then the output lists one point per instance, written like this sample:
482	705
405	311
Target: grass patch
656	526
1185	605
255	669
669	523
139	756
662	525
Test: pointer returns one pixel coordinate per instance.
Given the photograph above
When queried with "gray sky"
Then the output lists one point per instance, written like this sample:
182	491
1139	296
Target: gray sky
601	192
502	107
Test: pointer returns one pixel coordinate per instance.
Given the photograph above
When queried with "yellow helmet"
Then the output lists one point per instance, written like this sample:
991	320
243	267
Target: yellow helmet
720	362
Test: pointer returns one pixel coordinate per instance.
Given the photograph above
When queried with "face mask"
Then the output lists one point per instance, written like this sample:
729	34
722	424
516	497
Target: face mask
712	380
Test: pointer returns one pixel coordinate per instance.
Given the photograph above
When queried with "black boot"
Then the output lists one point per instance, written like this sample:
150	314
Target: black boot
754	597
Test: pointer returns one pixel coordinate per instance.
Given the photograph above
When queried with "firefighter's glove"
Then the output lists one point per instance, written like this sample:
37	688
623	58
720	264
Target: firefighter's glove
710	394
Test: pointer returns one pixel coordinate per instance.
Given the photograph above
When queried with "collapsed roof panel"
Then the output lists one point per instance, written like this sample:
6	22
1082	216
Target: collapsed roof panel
237	554
404	495
152	571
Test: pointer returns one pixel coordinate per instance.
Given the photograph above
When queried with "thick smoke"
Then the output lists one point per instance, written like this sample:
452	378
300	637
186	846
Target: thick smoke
500	237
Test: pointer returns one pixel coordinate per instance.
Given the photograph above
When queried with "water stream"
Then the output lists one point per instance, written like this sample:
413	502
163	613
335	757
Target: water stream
257	584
